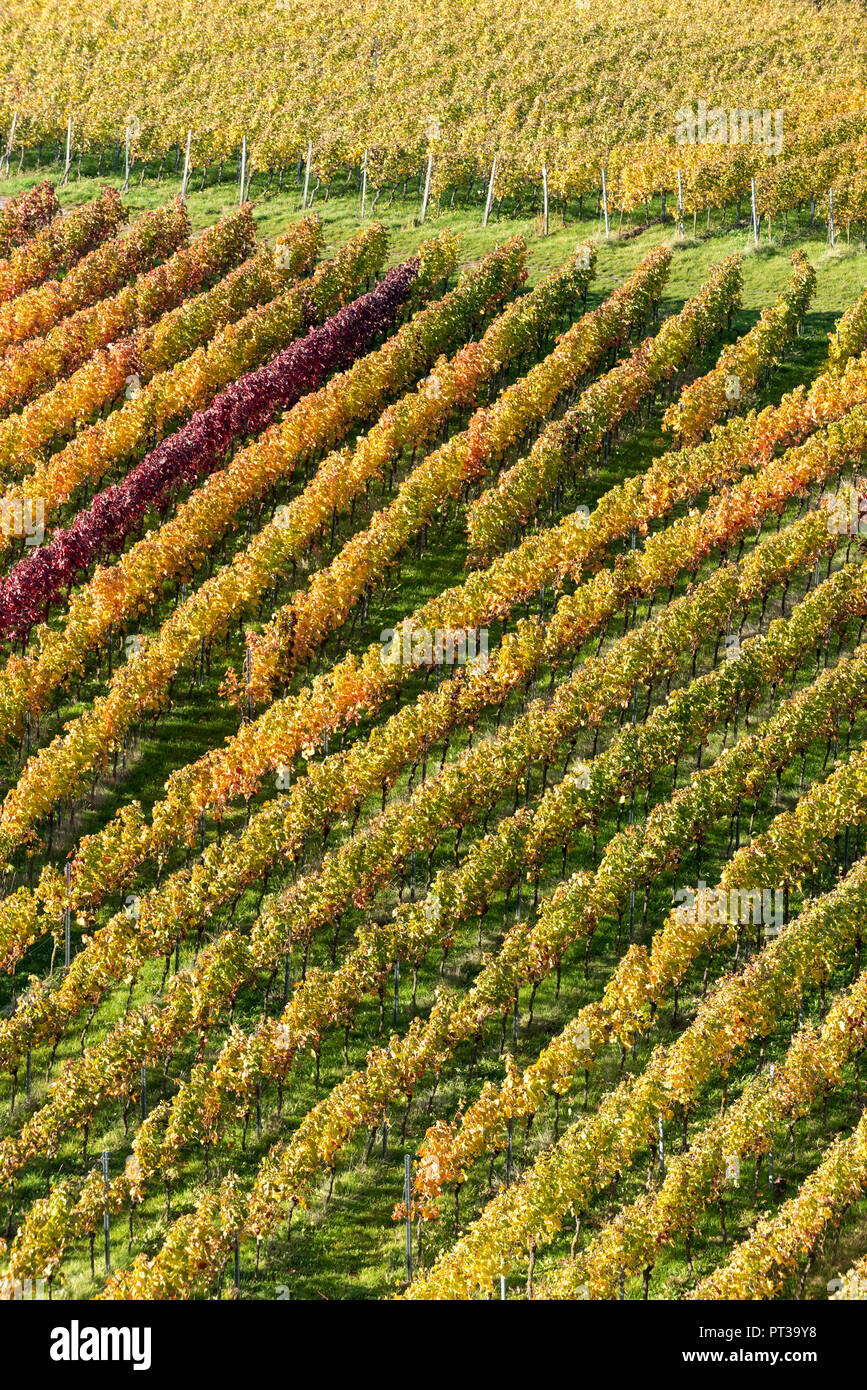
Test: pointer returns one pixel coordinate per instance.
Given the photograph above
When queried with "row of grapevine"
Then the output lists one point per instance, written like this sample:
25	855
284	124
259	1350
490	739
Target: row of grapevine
739	368
282	732
815	1063
850	334
406	423
275	1044
392	75
853	1284
25	215
238	587
279	734
57	246
151	238
41	364
601	410
244	409
352	873
775	1249
177	393
141	682
637	857
225	314
256	907
299	627
592	1150
455	895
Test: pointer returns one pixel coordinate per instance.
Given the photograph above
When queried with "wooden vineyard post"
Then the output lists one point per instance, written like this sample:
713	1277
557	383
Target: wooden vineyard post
307	174
363	185
771	1147
396	991
831	215
186	167
144	1092
426	186
490	196
679	204
243	167
131	131
407	1207
67	944
605	201
287	975
11	142
68	160
106	1223
544	200
755	221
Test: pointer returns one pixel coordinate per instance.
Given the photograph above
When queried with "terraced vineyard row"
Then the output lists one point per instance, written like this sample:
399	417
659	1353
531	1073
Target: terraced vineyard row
583	823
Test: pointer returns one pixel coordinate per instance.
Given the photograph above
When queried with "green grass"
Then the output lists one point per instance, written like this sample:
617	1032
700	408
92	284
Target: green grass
347	1245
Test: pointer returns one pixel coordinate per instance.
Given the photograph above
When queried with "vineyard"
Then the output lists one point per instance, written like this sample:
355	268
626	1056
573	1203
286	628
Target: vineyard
433	688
